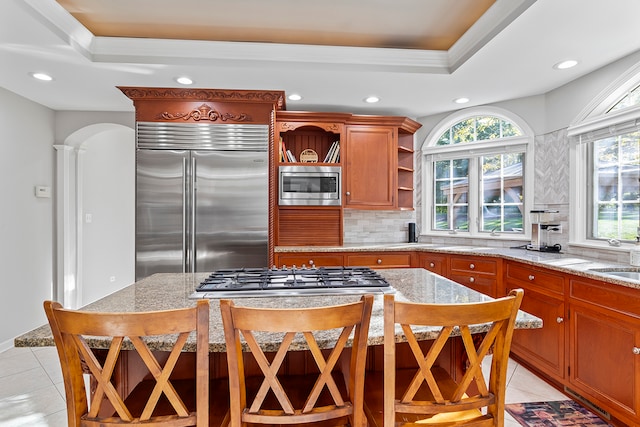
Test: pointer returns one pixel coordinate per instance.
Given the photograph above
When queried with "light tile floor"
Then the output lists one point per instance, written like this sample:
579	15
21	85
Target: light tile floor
32	393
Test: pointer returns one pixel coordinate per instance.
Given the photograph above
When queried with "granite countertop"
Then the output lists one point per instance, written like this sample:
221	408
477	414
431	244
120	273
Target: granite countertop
578	265
169	291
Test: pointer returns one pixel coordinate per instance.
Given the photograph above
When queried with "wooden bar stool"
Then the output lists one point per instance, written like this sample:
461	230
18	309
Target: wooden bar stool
324	394
160	401
427	393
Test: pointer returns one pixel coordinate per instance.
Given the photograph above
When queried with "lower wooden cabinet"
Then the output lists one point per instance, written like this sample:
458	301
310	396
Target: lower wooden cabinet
604	347
544	348
590	339
544	298
481	274
379	260
309	260
351	259
434	262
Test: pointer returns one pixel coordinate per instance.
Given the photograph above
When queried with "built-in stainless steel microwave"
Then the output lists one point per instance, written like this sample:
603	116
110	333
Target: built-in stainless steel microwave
310	186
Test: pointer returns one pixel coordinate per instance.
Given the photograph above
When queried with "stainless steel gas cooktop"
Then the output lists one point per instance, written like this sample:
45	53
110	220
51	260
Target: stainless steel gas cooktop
263	282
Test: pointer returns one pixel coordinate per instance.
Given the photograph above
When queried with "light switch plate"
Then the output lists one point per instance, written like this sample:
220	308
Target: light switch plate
43	191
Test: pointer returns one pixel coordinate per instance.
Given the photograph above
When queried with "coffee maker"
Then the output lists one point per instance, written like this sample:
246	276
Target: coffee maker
542	226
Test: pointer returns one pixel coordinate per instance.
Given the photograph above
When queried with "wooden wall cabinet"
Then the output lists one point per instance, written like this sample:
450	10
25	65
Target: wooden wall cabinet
543	297
378	162
370	160
376	157
307	225
300	130
405	183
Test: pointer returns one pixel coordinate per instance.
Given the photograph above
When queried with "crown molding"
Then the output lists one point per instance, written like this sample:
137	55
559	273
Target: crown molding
194	52
497	18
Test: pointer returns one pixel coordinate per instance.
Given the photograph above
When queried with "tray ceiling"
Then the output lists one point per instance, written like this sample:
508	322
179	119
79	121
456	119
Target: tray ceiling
406	24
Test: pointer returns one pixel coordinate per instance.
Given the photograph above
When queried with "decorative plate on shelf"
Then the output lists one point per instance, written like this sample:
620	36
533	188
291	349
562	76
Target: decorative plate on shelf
309	156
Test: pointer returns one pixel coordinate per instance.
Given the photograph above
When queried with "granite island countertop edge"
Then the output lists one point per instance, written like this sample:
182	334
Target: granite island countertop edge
172	290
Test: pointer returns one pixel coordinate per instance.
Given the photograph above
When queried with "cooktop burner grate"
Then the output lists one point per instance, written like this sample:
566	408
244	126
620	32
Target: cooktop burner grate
250	282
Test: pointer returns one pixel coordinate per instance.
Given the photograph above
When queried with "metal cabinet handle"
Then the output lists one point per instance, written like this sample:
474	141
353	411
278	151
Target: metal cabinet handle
559	319
348	193
471	279
532	277
185	188
636	350
431	265
472	266
379	261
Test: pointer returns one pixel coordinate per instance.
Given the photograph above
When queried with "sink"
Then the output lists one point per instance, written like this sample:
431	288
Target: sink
624	273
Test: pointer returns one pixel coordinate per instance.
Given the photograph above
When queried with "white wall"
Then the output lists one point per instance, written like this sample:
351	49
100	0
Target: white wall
566	103
556	109
26	222
108	196
28	132
68	122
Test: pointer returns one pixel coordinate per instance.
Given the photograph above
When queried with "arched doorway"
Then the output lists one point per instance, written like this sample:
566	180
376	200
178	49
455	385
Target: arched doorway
95	190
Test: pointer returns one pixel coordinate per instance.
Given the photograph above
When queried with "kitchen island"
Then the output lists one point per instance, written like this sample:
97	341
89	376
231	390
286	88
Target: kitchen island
166	291
170	291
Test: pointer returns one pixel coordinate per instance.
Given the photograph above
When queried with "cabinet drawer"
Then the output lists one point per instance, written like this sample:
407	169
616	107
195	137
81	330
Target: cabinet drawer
380	260
537	277
436	263
475	265
485	284
308	260
612	298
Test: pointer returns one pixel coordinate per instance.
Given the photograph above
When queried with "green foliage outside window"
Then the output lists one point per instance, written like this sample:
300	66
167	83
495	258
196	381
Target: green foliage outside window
616	198
479	128
502	192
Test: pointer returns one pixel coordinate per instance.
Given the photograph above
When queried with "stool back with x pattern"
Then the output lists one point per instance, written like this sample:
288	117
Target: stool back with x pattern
163	402
273	398
428	393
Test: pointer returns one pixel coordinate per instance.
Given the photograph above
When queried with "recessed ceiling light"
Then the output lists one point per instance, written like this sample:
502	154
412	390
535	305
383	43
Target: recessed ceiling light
294	97
184	80
461	100
371	99
565	64
42	76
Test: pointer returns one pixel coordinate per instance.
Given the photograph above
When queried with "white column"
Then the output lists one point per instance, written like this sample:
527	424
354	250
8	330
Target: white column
79	224
66	269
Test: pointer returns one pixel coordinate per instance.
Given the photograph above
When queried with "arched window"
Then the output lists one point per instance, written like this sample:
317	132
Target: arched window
475	174
631	99
606	169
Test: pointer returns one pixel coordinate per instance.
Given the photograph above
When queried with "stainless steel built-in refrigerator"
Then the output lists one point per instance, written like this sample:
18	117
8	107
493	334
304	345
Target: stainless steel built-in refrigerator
201	197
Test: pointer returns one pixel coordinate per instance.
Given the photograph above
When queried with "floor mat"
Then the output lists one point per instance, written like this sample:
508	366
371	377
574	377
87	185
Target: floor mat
561	413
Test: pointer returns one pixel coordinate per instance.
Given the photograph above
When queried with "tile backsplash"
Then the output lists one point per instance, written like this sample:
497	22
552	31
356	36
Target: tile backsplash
376	226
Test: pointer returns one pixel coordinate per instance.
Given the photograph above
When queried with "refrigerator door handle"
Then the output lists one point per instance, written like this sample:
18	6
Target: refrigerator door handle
192	232
184	214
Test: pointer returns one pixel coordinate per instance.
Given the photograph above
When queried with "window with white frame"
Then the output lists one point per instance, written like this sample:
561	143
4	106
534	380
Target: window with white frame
607	170
476	167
